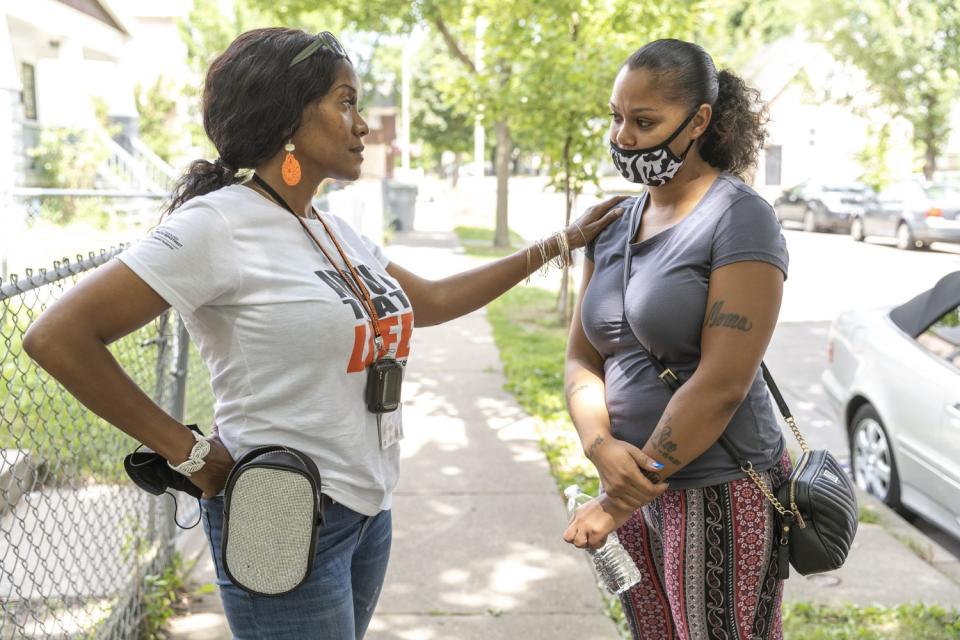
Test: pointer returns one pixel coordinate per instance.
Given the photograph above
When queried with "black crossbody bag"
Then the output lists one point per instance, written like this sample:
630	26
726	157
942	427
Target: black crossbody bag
817	505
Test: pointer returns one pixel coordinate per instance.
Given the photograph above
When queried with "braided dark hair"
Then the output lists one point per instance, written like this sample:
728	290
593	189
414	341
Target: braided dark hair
737	130
252	103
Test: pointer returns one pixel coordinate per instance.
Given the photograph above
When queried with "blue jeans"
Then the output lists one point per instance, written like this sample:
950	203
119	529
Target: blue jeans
337	600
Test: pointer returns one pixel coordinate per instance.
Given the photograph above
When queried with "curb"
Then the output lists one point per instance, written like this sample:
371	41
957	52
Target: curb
926	549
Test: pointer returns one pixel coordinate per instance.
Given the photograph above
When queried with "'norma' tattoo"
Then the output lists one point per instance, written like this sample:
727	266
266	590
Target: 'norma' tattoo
594	445
663	443
717	318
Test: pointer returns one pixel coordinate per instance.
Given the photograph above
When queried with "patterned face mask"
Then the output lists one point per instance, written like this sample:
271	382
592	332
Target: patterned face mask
653	166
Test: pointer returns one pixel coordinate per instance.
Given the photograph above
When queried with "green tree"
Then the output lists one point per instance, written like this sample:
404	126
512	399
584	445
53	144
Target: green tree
909	54
439	124
873	156
733	31
486	89
546	67
69	158
584	43
157	108
207	31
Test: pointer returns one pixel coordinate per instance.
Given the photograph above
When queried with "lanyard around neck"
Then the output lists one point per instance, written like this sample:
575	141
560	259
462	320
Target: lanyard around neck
356	287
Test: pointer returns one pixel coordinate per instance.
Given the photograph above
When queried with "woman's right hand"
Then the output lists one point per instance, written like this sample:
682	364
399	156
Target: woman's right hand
626	472
217	466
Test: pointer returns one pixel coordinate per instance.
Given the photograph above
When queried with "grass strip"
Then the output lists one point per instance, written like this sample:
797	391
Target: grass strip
478	241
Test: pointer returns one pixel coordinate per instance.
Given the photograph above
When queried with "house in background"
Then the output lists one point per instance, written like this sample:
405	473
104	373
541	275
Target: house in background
820	116
380	150
58	57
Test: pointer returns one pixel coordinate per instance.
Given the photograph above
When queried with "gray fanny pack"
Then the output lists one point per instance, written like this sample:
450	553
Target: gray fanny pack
272	515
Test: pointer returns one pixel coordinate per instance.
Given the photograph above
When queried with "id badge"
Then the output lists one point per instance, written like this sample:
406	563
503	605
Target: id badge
390	427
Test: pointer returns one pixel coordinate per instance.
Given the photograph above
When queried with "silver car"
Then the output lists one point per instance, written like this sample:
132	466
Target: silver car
913	213
894	377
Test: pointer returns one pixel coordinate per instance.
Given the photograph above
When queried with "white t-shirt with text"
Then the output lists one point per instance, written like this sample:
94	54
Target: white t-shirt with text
286	342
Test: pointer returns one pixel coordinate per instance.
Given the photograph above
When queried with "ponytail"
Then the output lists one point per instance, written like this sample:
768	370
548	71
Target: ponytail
737	130
201	178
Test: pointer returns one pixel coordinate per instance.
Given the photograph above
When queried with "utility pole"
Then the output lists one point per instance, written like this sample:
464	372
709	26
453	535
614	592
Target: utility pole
479	140
405	71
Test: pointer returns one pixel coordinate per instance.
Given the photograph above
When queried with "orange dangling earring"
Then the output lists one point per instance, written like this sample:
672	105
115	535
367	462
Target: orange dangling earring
291	168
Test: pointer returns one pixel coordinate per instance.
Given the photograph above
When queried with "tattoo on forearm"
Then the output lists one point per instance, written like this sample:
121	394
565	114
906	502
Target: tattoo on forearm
593	447
717	318
662	442
652	476
572	390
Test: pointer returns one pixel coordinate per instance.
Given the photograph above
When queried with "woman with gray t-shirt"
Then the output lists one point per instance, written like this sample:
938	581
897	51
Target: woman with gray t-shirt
701	290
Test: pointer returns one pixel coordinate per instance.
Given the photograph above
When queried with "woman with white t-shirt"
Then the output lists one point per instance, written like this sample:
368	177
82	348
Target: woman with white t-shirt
289	308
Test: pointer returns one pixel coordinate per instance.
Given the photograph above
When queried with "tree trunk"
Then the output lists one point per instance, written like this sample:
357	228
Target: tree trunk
455	174
501	237
563	302
929	158
930	138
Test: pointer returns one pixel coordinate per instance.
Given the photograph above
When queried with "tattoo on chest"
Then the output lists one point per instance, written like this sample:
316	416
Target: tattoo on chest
663	443
717	318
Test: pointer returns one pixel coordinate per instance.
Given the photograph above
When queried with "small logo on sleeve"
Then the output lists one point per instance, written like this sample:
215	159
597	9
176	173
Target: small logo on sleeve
169	240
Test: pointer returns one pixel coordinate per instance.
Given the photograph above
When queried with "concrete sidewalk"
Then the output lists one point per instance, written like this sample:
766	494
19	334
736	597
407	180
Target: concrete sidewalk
477	519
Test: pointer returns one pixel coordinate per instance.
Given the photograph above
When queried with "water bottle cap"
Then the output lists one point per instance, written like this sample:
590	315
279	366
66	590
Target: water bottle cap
571	492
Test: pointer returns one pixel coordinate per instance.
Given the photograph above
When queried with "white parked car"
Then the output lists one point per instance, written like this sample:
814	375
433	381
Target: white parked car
894	377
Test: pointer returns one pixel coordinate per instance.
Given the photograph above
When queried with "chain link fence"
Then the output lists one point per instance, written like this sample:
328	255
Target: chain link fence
77	538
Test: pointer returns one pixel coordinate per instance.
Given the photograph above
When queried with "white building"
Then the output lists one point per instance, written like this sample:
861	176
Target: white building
58	56
820	117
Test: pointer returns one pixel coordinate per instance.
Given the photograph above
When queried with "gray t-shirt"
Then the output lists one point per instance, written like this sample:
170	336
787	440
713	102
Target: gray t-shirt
666	303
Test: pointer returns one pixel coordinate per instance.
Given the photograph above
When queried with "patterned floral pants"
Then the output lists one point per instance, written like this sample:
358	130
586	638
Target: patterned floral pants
709	563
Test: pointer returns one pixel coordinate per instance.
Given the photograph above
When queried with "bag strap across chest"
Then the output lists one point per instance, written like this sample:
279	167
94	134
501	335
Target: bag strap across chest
672	381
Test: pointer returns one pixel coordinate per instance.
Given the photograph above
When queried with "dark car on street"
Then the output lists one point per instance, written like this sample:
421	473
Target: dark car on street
823	205
912	212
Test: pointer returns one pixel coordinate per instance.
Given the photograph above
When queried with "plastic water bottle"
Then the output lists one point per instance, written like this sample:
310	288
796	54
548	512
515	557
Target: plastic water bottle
617	570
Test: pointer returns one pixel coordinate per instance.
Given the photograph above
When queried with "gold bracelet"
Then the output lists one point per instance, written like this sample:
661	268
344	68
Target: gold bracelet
544	258
558	261
563	246
529	272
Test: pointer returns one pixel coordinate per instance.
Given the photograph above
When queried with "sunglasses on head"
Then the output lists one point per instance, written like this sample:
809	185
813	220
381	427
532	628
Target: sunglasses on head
325	40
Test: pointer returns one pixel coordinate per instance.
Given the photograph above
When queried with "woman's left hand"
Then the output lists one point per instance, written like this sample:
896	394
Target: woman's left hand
594	521
593	221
